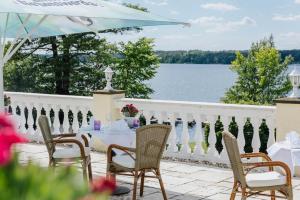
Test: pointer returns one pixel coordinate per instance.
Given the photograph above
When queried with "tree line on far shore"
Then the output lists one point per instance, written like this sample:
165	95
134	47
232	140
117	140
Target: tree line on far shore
212	57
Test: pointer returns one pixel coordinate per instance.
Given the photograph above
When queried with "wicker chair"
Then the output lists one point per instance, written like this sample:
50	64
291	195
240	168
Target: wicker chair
137	162
256	183
66	155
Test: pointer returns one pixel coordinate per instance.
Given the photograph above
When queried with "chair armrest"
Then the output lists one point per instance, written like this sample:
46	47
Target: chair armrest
127	150
85	139
71	141
272	164
64	135
256	155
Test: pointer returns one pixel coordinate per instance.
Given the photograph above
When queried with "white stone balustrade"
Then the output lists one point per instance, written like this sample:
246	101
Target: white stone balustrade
48	103
179	146
205	112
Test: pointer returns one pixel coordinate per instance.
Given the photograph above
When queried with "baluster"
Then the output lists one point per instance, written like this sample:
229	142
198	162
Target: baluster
148	116
256	122
172	136
66	119
84	112
30	130
211	154
159	117
13	108
16	117
198	152
75	125
47	110
23	119
38	134
185	147
271	125
226	121
56	123
241	138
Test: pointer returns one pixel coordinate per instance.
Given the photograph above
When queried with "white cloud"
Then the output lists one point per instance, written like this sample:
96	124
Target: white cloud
157	2
219	6
219	24
286	17
297	1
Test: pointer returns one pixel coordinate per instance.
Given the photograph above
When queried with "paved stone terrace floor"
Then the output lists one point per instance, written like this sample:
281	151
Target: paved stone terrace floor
182	180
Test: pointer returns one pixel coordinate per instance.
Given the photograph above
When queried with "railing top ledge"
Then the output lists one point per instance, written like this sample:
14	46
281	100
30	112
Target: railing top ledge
40	95
197	104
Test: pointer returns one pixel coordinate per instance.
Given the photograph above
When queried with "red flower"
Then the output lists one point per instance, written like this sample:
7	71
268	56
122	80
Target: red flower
130	109
103	185
8	137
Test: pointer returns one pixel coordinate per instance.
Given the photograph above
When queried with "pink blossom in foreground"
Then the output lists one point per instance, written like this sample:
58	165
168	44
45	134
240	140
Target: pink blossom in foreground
8	137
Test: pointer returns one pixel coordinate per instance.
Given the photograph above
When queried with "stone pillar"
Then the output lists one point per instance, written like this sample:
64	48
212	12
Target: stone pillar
287	116
104	107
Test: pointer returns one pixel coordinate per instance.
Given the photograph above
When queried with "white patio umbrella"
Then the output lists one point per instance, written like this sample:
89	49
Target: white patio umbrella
21	20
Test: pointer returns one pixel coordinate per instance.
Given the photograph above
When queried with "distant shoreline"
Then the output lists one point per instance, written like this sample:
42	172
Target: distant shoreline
212	57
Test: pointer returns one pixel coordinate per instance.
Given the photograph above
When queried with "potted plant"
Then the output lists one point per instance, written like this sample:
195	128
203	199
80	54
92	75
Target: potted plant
130	111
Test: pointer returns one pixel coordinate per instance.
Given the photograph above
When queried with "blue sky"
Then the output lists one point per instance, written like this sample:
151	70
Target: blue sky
220	24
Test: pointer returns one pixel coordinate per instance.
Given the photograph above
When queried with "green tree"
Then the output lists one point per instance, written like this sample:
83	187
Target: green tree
261	74
74	64
137	64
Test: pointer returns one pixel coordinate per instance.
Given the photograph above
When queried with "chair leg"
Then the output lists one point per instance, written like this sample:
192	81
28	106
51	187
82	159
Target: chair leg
50	163
136	177
234	189
84	171
244	194
290	193
272	194
142	183
161	185
90	171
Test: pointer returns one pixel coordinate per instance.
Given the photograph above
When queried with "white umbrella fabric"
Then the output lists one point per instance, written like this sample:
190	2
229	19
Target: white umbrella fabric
26	19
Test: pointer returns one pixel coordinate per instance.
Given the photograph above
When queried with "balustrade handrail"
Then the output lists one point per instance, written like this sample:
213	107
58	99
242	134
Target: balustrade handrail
192	103
187	106
41	95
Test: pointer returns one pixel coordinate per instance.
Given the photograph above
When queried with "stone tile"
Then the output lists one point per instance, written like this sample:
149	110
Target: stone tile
181	180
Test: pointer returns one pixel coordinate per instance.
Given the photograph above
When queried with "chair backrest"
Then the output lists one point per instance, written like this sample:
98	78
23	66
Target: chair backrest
46	132
234	157
151	141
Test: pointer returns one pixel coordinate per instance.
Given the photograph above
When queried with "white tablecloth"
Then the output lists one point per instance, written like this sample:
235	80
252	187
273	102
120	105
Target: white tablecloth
281	151
102	139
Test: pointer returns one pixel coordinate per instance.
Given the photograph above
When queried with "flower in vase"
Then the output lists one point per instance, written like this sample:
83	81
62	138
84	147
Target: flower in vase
129	110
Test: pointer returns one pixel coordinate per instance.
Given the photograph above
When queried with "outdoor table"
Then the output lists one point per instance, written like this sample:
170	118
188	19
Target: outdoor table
108	137
101	139
281	151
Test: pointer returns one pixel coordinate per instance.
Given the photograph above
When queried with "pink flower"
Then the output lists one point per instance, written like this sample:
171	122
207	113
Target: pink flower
103	185
8	137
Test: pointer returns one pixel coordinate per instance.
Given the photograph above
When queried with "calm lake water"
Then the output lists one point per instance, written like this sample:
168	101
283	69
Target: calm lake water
193	82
